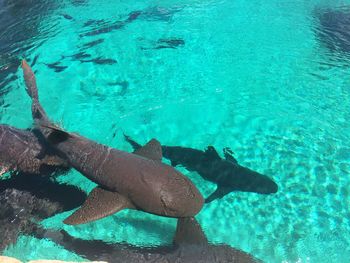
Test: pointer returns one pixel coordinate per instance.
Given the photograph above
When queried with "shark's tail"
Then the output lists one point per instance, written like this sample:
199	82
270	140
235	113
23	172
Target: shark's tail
50	131
38	113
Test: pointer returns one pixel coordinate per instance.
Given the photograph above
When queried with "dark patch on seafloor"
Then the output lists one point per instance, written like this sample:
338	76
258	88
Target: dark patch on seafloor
333	29
99	27
190	245
122	84
26	198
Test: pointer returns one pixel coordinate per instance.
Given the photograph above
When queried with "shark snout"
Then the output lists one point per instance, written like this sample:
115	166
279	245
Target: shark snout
266	185
182	198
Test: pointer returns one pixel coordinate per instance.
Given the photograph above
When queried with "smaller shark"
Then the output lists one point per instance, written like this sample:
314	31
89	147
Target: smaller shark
226	173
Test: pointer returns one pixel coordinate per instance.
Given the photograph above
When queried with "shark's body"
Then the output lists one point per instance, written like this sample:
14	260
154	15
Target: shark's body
226	173
190	245
125	180
24	151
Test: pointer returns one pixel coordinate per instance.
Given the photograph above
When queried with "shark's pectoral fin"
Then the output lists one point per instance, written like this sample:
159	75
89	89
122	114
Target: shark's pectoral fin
220	192
188	231
228	153
99	203
212	154
152	150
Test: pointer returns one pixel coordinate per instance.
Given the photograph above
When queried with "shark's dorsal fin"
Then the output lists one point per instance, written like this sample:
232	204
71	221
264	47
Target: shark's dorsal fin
188	231
152	150
133	143
220	192
99	203
228	153
54	134
212	154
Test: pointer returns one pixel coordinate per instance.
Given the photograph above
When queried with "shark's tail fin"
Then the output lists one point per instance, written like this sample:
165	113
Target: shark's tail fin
39	115
50	131
30	81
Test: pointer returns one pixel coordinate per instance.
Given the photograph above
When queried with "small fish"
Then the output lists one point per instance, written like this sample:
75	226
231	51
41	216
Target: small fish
160	13
93	43
133	16
167	43
104	30
173	42
78	56
91	22
35	60
55	66
161	47
115	26
101	61
68	17
79	2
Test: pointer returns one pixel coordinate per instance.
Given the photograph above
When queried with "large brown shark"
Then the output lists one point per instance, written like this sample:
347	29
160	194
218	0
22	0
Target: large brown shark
25	151
136	180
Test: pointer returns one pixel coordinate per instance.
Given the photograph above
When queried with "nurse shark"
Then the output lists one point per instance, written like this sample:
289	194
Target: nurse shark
136	180
226	173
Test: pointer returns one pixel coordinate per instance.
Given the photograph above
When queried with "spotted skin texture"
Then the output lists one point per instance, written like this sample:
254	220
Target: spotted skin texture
23	151
150	185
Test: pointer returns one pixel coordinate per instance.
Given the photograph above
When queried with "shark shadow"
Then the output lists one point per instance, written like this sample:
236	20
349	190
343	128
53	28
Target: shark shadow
227	173
189	245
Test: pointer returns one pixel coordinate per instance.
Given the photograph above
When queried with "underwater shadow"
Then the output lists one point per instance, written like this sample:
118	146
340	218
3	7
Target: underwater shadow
26	199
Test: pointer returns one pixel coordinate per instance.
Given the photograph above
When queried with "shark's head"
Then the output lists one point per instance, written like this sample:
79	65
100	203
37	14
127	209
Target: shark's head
183	196
176	196
258	183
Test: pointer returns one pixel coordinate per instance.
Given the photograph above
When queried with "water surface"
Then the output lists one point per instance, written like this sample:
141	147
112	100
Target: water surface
269	79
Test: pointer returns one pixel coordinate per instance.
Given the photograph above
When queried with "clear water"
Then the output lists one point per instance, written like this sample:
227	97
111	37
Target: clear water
252	75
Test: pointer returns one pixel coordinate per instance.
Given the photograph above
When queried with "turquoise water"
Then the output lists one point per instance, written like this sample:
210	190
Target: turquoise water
251	75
